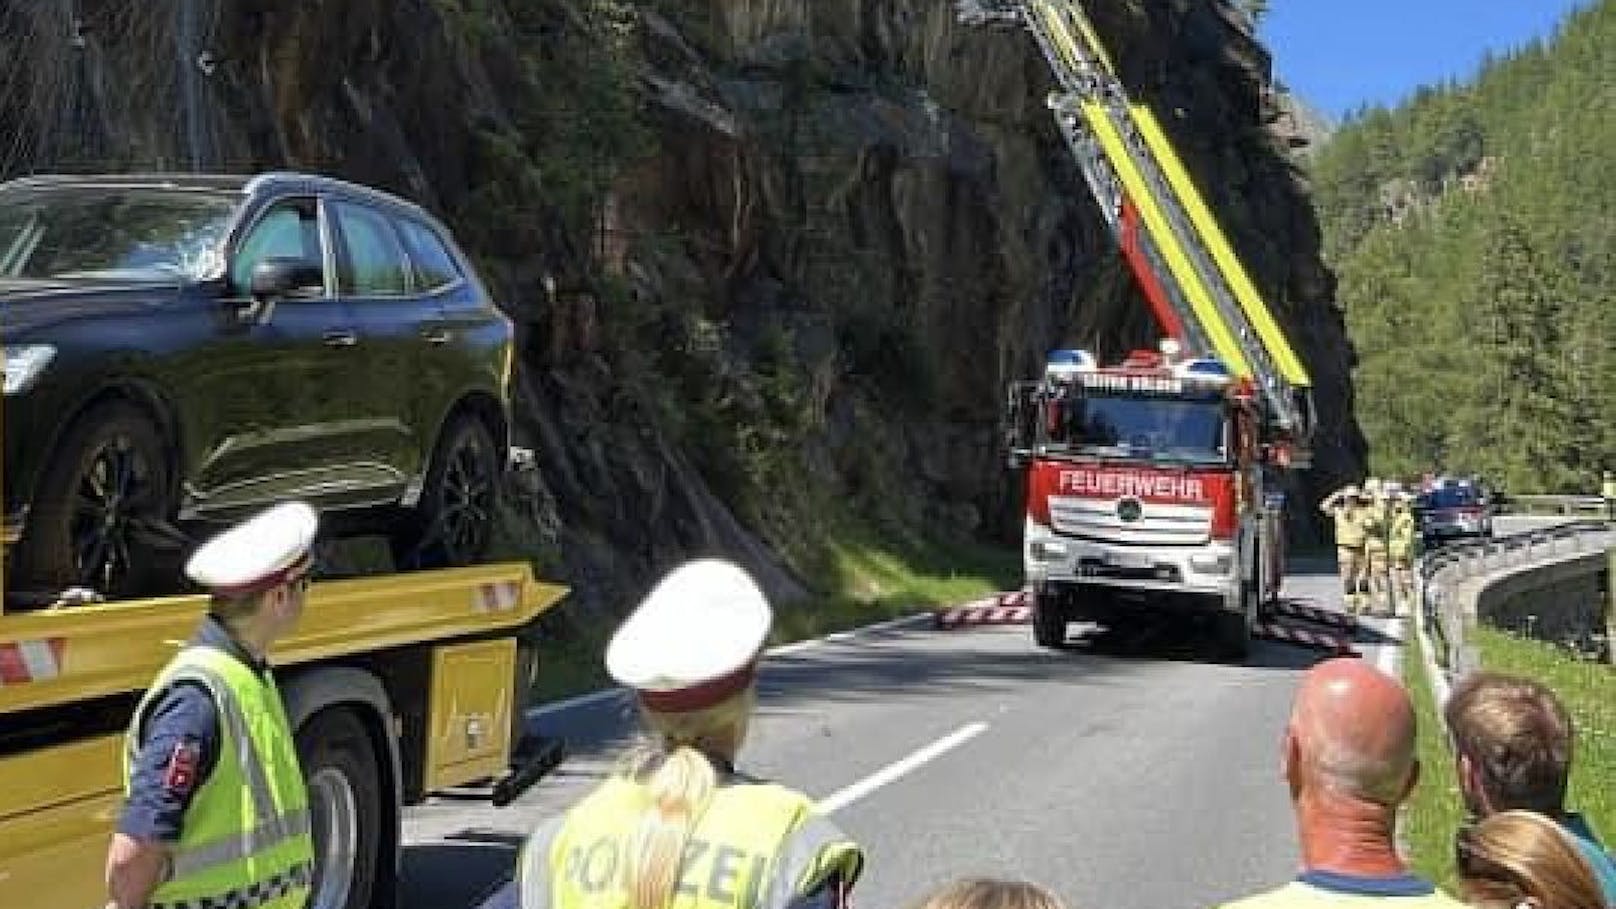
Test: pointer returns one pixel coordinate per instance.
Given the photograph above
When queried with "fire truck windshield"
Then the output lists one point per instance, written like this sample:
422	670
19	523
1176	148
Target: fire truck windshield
1134	427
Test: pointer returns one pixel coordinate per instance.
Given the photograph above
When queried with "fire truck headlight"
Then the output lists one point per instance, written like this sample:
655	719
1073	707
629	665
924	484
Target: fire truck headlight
1212	564
1047	550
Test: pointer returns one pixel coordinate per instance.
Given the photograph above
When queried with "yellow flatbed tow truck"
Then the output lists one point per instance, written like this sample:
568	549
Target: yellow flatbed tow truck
398	686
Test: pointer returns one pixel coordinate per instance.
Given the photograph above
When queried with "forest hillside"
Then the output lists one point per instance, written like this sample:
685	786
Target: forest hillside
1473	236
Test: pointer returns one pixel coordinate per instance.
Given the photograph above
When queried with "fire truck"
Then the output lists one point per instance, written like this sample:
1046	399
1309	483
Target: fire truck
1155	484
1147	491
397	686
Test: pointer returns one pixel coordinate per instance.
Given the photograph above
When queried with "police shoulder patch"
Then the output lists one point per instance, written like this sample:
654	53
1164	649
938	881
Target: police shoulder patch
179	775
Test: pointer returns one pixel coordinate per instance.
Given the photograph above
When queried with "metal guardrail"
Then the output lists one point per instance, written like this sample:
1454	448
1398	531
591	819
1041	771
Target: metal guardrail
1440	572
1567	505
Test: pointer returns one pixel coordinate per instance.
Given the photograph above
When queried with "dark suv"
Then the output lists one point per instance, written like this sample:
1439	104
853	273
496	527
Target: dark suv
1453	509
181	350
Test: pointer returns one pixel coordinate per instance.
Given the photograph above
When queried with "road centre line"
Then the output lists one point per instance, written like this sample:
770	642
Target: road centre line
850	794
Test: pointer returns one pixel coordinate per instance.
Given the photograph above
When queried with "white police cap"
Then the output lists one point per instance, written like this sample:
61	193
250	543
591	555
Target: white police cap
694	640
268	549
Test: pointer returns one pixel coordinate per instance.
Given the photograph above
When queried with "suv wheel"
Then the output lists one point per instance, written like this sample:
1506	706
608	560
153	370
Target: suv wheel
455	518
88	522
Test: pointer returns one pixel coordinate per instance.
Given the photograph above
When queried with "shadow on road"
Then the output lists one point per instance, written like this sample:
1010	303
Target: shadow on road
916	664
458	872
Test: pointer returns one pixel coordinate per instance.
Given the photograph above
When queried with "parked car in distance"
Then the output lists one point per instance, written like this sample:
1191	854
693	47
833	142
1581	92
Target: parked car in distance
1453	509
183	350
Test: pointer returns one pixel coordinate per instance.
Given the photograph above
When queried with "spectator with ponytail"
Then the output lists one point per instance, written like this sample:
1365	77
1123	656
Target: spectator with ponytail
1523	860
678	827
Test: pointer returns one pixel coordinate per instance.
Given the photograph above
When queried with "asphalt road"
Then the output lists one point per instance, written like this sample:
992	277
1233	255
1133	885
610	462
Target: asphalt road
1128	772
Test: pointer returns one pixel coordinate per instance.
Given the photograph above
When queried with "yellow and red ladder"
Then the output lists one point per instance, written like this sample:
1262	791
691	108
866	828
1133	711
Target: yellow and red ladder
1197	286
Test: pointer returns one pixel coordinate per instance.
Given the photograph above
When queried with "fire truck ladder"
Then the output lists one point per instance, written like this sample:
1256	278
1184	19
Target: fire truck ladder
1195	282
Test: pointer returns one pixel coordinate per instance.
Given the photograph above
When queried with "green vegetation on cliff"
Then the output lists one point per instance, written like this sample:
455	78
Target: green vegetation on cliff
1472	234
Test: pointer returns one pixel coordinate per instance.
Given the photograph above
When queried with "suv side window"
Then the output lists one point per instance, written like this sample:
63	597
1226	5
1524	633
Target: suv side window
435	268
290	229
375	265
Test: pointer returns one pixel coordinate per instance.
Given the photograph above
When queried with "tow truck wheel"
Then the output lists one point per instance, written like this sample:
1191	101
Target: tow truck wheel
345	811
1048	621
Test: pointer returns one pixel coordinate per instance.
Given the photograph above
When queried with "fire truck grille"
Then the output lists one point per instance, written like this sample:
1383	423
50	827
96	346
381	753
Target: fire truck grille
1157	525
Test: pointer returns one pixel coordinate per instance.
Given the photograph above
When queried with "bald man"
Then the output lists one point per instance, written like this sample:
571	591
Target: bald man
1349	761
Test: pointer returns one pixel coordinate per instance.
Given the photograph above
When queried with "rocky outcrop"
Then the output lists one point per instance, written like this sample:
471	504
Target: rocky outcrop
774	260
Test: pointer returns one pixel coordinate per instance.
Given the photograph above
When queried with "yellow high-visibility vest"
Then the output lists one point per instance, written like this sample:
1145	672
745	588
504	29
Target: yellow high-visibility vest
1402	532
755	846
245	840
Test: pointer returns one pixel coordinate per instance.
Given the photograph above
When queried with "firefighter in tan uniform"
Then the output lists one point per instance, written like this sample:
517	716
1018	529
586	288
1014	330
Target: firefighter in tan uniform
1343	506
1400	542
677	826
1376	519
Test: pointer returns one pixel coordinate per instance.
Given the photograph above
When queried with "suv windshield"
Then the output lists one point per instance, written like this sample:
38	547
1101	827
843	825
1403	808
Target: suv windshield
130	233
1165	429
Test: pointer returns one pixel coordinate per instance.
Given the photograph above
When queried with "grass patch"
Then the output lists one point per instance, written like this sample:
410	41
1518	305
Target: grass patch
1434	813
1589	692
869	582
873	582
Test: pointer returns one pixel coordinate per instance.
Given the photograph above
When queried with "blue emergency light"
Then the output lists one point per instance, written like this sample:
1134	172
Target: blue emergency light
1063	364
1204	367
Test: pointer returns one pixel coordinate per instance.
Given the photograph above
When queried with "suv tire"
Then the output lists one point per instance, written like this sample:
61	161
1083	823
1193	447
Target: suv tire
108	477
453	522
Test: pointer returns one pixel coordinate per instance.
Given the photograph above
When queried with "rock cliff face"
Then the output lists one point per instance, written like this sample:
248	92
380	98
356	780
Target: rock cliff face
774	260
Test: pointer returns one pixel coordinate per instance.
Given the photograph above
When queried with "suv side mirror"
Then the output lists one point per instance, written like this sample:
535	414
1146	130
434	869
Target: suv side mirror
281	276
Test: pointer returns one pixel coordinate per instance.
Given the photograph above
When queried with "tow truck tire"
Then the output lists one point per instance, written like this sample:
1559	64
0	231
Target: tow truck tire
1048	621
345	810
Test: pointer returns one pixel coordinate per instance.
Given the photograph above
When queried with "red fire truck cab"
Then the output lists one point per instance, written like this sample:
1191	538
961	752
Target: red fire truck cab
1148	491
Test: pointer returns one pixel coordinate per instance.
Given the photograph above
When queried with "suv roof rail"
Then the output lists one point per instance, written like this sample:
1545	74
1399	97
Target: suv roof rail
322	180
209	181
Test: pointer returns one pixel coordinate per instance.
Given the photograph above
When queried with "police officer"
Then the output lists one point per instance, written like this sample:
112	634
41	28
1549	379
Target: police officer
216	810
1342	506
678	827
1400	541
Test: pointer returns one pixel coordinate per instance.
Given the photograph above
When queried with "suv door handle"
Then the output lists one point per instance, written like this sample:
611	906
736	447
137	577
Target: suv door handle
342	338
437	335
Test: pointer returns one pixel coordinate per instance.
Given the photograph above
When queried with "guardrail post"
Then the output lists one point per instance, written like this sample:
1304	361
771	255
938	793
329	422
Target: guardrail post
1610	604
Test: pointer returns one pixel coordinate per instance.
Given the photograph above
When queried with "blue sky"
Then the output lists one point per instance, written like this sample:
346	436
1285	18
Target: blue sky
1338	55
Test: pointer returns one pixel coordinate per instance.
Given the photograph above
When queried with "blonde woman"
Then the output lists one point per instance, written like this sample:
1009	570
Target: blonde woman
1523	860
989	893
677	826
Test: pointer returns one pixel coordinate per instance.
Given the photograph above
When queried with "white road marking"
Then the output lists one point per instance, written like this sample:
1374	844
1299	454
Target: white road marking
579	701
782	650
850	794
1386	660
